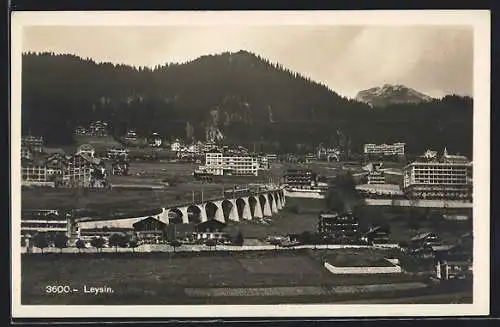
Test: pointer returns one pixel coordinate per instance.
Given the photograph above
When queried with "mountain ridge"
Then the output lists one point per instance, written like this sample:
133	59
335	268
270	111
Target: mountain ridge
241	96
387	94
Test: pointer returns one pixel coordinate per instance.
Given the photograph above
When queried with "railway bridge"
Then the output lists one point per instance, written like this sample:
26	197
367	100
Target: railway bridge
246	206
234	206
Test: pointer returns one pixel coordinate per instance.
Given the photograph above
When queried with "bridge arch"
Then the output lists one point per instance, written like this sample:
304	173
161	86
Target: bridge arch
214	211
265	205
194	214
240	208
272	202
229	210
175	216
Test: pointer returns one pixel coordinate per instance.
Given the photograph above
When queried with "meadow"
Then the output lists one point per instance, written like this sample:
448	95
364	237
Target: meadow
193	278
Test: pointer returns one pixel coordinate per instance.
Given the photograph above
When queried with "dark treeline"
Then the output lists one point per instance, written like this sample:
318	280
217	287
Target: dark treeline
245	96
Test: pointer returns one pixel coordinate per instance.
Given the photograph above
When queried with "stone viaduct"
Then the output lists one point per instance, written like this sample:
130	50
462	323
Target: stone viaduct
244	207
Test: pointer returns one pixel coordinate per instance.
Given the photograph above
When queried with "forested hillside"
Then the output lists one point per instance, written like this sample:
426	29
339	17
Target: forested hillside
240	95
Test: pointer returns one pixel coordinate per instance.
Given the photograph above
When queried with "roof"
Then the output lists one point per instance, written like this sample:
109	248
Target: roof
149	219
54	151
210	224
421	236
85	147
90	159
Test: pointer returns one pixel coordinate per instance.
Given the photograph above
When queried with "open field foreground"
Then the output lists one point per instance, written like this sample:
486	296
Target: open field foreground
204	278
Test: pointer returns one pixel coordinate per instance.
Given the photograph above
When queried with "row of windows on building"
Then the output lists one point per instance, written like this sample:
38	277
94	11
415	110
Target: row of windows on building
218	163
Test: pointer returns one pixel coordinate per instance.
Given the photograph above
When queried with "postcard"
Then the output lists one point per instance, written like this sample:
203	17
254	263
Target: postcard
250	164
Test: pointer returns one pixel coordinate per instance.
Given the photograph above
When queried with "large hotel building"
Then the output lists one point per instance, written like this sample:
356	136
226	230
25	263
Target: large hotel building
448	177
235	164
384	150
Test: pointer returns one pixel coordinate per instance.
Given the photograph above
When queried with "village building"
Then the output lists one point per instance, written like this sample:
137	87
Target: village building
384	151
32	143
118	154
120	168
300	178
98	128
341	227
155	140
150	230
211	229
86	149
448	177
327	154
230	163
46	221
453	266
376	235
130	135
424	240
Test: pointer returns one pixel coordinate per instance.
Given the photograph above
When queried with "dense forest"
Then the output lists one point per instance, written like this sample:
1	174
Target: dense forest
241	95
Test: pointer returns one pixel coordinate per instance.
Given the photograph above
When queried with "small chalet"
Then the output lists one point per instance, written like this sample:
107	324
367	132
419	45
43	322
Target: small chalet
425	240
155	140
376	235
210	229
120	167
150	230
343	227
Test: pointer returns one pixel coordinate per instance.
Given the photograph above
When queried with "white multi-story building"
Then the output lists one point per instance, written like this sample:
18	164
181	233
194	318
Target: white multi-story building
396	149
236	164
446	177
33	221
376	177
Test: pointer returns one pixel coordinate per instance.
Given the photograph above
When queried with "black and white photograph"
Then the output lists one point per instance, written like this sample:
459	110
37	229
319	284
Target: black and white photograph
250	164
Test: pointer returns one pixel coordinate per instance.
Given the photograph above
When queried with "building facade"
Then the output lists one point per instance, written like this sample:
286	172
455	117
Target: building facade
384	150
98	128
376	177
79	170
32	143
340	227
118	154
300	178
234	164
47	221
446	178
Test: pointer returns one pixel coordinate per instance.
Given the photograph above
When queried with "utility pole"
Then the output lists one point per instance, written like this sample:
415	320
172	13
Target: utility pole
192	193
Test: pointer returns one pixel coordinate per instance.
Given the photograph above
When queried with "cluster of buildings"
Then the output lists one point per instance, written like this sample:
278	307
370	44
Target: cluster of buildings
47	167
430	176
97	128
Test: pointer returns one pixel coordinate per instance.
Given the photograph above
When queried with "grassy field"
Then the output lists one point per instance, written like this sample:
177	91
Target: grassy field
166	278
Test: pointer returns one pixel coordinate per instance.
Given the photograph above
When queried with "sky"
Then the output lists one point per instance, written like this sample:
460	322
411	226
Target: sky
435	60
